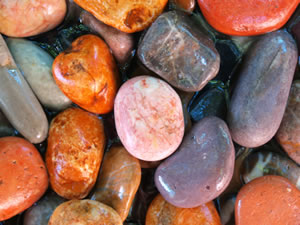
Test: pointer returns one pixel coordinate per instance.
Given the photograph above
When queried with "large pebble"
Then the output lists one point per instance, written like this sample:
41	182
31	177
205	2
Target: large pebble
39	213
87	74
23	18
288	134
260	96
201	168
268	200
175	49
18	102
149	118
75	148
161	212
36	65
236	17
118	180
23	176
84	212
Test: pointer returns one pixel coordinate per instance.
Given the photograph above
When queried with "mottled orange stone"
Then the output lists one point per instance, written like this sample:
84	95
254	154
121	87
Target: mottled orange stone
87	74
75	148
84	212
23	176
161	212
118	180
268	200
128	16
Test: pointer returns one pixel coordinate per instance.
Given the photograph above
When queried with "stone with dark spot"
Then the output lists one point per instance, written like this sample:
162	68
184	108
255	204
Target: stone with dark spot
201	168
179	52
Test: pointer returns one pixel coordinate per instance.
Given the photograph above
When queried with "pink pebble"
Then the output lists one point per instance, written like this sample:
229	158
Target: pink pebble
149	118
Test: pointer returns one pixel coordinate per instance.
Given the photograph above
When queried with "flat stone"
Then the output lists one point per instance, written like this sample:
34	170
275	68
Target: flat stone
175	49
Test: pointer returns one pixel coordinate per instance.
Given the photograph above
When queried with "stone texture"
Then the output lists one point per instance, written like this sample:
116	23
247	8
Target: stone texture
186	5
5	127
175	49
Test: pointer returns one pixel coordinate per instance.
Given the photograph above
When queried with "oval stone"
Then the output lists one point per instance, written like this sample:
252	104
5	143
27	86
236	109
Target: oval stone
288	134
162	212
36	65
84	212
260	96
23	176
75	148
149	118
268	200
118	181
201	168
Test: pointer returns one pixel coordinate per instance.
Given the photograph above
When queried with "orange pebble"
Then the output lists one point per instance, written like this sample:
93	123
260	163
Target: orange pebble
268	200
127	16
161	212
87	74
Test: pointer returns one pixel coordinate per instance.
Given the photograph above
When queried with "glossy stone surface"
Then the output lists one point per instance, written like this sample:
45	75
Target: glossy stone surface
120	43
260	96
118	181
201	168
127	16
264	163
17	101
39	213
268	200
288	134
149	118
187	5
24	18
36	66
5	127
23	176
175	49
75	148
162	212
236	17
84	212
87	74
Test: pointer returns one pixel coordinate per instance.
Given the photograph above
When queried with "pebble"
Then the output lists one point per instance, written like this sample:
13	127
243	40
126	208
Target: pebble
17	101
84	212
260	96
149	118
186	5
87	74
24	18
226	208
175	49
127	16
75	148
268	200
161	212
118	181
40	212
201	168
288	134
23	176
244	18
6	128
36	66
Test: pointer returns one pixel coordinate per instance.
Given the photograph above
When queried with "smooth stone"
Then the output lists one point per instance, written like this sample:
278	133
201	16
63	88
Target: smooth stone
23	176
149	118
118	181
201	168
186	5
226	208
261	93
6	128
74	153
175	49
24	18
162	212
185	100
17	101
288	134
268	200
36	66
244	18
84	212
264	163
39	213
